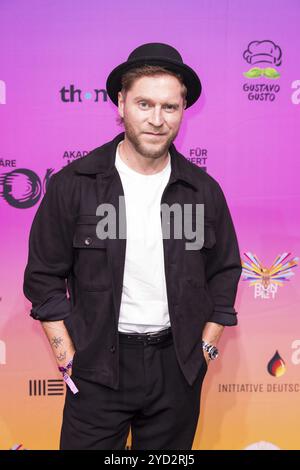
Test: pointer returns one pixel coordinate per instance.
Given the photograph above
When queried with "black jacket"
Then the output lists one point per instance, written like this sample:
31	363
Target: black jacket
73	275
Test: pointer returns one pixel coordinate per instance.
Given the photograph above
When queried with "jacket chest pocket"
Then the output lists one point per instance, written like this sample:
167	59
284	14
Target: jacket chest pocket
90	266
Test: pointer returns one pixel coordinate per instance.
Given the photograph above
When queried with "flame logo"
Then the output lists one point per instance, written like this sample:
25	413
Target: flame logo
276	366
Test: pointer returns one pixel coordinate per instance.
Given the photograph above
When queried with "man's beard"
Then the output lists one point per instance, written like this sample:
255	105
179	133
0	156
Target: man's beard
147	151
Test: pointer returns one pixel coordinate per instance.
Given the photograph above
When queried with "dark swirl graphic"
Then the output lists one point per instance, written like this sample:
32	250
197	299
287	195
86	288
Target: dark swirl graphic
22	188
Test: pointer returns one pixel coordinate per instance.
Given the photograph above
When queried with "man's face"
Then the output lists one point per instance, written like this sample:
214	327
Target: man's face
153	105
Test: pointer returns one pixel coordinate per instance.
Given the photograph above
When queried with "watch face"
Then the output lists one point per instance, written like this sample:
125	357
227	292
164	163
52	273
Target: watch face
212	350
214	353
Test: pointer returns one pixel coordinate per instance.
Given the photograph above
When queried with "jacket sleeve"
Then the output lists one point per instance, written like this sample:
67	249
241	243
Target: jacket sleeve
223	266
50	256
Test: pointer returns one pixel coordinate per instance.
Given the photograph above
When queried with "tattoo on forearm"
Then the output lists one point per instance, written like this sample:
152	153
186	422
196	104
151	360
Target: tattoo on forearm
56	342
62	356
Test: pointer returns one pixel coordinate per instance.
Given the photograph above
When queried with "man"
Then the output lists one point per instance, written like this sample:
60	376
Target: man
139	319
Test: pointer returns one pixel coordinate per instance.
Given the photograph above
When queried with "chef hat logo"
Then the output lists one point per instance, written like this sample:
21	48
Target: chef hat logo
263	51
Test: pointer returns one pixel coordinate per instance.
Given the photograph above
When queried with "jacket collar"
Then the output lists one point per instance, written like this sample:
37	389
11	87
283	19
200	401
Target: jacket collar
102	160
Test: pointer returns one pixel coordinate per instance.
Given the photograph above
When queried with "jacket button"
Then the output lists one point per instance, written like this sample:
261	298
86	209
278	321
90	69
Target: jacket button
88	241
112	349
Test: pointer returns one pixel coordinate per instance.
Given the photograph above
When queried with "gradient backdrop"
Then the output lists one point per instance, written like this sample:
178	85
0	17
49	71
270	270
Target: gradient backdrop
244	131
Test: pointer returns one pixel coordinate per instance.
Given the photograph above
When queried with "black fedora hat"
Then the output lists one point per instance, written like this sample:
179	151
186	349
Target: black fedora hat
155	53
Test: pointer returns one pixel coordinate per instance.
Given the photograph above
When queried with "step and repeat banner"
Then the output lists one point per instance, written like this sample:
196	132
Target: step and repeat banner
244	131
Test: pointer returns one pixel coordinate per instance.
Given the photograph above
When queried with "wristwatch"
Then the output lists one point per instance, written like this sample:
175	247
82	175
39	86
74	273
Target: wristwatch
211	349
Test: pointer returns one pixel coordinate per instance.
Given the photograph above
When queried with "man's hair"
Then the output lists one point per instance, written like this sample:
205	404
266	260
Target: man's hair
128	79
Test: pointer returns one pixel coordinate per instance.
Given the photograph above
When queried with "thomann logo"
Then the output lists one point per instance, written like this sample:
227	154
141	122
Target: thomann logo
72	94
2	92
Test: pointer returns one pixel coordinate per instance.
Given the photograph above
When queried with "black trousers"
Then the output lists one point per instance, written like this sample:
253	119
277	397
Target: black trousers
154	399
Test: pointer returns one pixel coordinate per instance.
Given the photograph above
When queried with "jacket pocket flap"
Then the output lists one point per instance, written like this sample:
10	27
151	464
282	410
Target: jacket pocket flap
85	236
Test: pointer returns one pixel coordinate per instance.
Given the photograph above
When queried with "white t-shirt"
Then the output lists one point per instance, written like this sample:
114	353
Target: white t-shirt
144	305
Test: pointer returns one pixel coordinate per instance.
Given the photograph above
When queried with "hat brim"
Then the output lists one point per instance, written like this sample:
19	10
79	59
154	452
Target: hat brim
190	78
